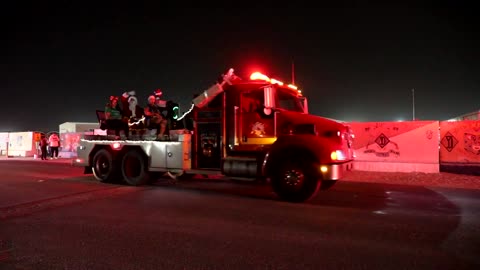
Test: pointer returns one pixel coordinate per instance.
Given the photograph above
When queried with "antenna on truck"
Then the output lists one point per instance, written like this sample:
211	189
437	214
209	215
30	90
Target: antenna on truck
293	72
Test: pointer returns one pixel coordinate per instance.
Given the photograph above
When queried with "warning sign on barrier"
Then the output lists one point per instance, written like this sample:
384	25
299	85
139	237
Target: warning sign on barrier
460	141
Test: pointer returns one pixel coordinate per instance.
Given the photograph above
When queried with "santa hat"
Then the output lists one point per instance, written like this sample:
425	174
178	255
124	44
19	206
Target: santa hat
158	93
129	94
130	98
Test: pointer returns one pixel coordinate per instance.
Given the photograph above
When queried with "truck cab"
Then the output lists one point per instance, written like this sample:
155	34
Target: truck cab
260	129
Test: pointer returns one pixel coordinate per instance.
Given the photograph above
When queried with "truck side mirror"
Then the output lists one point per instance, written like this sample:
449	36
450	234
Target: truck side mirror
268	99
304	104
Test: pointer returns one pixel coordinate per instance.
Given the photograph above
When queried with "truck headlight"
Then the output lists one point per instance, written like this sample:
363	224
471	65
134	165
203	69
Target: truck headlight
338	155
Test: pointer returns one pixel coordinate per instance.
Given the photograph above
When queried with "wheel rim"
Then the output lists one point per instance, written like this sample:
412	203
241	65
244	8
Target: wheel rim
293	178
102	165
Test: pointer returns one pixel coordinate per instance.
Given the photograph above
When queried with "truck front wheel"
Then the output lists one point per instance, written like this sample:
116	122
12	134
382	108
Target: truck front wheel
295	179
104	168
134	168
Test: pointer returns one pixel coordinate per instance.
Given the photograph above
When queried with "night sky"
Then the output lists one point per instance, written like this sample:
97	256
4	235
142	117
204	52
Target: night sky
61	62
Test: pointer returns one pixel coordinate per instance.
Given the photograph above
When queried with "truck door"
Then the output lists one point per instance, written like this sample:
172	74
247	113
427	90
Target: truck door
207	142
254	127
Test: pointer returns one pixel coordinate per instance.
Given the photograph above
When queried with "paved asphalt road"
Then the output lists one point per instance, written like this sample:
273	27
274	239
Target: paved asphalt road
54	217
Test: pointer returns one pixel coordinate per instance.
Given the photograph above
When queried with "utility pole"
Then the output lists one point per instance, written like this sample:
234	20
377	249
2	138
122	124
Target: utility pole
413	104
293	73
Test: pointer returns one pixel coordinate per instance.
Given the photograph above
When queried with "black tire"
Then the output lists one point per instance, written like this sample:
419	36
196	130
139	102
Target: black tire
104	168
134	168
295	179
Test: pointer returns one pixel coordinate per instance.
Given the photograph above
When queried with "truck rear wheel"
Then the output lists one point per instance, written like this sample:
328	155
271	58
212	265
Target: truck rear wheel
134	168
104	168
295	179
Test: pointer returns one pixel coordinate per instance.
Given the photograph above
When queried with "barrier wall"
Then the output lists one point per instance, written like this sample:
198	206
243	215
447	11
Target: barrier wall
396	146
21	144
3	143
460	142
412	146
69	127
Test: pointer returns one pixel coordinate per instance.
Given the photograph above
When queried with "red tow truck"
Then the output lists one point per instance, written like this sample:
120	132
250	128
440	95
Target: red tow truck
254	129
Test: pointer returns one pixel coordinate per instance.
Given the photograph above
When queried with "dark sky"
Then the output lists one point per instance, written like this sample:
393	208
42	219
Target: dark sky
358	63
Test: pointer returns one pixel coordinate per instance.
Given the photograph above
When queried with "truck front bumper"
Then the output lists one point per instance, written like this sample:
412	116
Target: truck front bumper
335	171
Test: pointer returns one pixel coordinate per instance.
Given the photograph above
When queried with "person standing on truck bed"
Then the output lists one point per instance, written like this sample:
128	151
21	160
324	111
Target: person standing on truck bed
114	118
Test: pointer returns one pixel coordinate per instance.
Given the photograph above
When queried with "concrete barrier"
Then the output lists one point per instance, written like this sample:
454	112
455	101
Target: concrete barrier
396	146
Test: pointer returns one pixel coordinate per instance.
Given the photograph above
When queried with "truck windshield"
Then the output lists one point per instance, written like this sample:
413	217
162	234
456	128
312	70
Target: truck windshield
288	100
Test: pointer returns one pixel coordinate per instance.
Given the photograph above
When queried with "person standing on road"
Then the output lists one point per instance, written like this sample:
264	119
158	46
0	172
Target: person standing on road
54	142
43	147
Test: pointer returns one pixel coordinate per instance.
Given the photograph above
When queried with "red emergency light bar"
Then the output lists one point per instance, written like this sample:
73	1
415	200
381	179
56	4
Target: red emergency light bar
273	81
292	86
260	76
